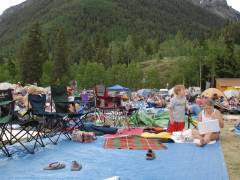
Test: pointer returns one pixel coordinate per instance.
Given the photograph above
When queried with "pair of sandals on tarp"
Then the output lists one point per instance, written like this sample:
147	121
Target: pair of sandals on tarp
57	165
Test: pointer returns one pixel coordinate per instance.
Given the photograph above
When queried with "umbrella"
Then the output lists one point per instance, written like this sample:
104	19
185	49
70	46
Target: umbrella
211	91
6	85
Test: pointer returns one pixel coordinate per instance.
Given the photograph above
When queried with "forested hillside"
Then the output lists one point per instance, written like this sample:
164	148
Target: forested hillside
109	19
136	43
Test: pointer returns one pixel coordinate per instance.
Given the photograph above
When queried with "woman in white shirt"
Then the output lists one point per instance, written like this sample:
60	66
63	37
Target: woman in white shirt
208	113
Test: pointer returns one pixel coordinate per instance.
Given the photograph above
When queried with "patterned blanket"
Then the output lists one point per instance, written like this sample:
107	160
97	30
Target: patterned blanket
133	143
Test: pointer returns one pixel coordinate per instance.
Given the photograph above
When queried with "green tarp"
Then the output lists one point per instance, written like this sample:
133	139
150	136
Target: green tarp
141	118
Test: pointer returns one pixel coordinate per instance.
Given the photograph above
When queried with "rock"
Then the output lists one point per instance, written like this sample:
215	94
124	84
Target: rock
219	7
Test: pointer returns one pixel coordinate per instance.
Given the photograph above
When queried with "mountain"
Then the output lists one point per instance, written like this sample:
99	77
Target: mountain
219	7
113	19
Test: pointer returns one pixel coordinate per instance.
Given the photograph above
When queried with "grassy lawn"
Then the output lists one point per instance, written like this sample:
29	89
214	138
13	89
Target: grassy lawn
231	150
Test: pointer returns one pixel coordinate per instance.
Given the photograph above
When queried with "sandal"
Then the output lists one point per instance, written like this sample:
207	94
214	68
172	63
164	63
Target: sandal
76	166
55	166
150	155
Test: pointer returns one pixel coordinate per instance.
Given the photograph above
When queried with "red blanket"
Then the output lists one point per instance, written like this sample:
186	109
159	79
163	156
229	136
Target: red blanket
125	132
133	143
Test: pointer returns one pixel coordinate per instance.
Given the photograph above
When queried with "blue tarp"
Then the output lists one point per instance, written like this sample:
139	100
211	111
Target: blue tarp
144	92
117	87
179	161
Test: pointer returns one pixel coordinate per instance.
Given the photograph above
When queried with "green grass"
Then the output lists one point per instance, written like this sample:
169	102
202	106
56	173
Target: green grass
231	149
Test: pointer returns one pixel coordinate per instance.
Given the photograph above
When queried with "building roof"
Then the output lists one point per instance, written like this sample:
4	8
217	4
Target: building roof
228	81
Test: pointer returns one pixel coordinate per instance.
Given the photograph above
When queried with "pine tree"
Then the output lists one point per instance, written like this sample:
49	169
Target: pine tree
226	64
130	50
60	59
46	78
32	56
11	68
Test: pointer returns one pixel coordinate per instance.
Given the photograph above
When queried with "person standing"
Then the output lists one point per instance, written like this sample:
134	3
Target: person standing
177	109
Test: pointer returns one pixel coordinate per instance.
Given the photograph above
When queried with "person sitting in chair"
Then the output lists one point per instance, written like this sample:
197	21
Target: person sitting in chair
208	113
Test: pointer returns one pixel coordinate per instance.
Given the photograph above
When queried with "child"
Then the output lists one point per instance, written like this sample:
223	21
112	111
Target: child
208	113
177	109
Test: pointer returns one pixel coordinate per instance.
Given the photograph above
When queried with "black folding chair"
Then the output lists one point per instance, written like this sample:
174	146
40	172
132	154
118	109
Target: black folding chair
4	119
53	124
29	130
60	99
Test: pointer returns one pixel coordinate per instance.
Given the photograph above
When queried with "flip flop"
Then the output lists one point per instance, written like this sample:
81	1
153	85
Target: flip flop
150	155
76	166
55	166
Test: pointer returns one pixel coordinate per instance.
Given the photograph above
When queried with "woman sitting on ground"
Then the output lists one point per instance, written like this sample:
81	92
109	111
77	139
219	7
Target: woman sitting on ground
208	113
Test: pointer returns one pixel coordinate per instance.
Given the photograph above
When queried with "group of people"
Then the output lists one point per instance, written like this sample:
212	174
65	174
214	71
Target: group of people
151	100
177	108
177	105
234	102
20	95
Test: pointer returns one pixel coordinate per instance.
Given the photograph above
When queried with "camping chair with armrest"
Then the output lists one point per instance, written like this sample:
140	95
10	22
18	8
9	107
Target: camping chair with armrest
53	124
5	117
108	108
61	102
29	130
86	103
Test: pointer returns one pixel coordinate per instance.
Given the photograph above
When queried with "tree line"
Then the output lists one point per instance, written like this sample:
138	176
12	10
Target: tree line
135	62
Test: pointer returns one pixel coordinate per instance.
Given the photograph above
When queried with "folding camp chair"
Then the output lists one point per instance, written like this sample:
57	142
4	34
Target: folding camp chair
109	109
60	100
53	124
4	118
3	147
29	130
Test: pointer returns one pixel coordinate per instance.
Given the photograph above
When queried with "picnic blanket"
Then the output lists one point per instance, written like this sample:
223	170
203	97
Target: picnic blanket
125	132
179	161
133	143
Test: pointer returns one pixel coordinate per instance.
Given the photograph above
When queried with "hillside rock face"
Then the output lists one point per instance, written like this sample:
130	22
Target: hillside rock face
13	9
219	7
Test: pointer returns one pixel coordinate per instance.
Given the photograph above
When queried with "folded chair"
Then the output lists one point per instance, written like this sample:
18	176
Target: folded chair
29	130
60	99
53	124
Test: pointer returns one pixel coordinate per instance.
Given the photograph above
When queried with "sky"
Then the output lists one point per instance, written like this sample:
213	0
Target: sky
4	4
235	4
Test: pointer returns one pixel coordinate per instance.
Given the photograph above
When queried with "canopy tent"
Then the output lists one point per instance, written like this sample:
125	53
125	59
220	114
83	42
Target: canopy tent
117	87
211	91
